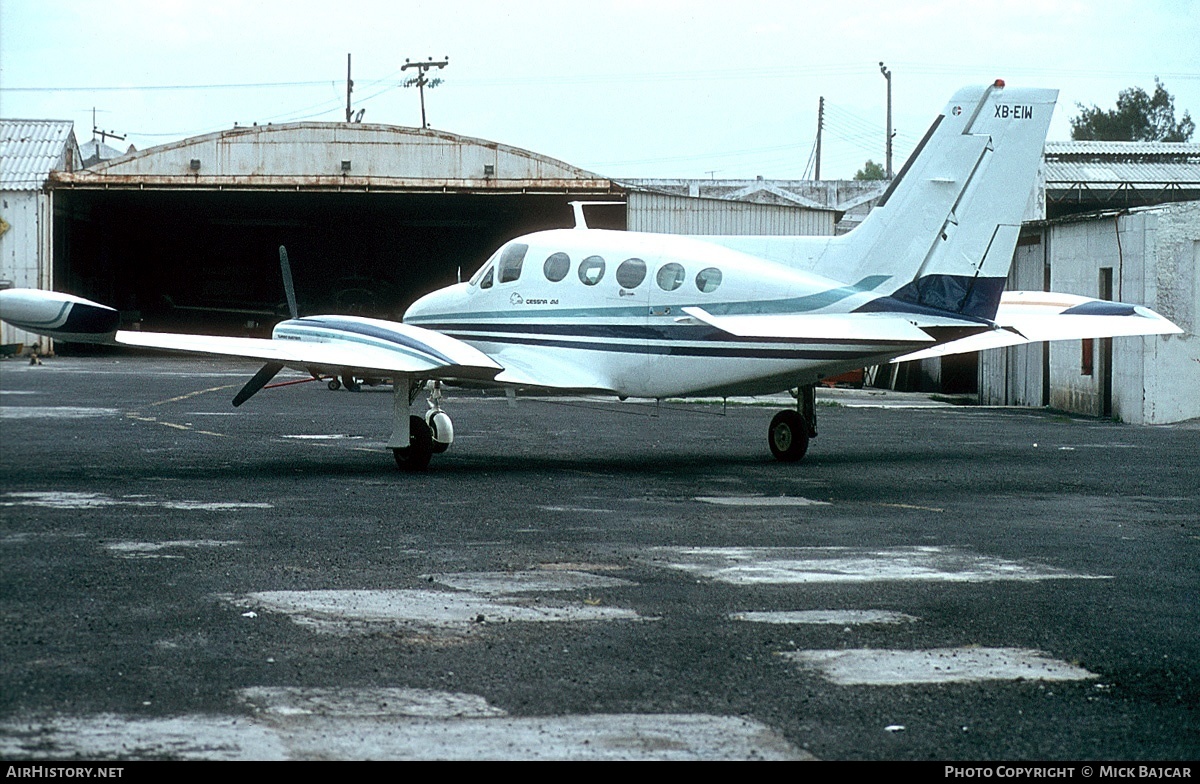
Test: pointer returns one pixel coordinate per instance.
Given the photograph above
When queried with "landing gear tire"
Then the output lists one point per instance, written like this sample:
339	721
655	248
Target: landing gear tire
351	383
438	446
788	436
334	385
415	456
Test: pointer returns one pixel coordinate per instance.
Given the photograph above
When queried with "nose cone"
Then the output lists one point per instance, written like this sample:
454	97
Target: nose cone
437	304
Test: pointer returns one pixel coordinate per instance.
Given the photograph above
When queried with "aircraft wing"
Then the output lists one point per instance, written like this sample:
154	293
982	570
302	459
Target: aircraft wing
418	358
333	344
528	367
1035	316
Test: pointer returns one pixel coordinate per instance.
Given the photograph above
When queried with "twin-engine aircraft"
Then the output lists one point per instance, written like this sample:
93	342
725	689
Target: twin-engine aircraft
655	316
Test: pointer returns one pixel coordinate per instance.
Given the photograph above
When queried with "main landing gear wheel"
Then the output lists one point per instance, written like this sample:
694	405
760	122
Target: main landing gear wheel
334	385
415	456
788	436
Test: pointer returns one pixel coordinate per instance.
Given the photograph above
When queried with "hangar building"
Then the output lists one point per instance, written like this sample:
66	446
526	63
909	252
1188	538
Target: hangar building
185	236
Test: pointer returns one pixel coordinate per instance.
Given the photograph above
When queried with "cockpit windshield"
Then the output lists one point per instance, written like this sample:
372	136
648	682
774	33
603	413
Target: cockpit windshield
474	281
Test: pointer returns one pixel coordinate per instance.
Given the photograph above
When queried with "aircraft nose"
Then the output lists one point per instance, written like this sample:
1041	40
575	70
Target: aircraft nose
429	305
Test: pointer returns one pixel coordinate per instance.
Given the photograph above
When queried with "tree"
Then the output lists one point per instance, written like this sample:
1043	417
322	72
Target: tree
1138	118
871	171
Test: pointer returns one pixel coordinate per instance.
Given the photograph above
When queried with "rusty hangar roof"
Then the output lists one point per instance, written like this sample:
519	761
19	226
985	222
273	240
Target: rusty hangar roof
310	156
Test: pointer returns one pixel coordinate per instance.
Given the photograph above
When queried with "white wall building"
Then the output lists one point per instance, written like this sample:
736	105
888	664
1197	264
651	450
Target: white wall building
29	151
1146	256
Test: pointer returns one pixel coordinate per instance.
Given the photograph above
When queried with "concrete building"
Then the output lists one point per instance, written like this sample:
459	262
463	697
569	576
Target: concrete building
29	151
1148	256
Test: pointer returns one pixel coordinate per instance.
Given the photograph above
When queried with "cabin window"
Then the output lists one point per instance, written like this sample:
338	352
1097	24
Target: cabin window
591	270
557	267
511	260
670	276
708	279
486	281
631	273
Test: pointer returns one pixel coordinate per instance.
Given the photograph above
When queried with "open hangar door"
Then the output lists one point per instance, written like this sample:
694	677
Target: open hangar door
208	261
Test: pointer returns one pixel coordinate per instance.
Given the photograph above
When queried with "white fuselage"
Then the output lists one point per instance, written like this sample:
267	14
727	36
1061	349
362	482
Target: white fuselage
603	310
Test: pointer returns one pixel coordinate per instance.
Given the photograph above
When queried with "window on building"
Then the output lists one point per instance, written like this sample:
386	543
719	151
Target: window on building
631	273
1086	353
591	270
556	267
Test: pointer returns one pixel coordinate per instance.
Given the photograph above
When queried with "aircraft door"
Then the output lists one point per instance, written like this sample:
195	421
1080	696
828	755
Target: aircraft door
629	301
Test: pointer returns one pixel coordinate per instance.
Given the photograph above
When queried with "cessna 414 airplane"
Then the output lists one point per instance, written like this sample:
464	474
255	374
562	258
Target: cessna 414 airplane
656	316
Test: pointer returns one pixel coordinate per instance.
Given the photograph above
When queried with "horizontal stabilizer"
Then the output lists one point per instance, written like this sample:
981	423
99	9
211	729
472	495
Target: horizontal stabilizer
881	327
1035	316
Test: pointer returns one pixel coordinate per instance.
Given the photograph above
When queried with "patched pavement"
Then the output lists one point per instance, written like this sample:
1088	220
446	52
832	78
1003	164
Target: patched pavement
581	579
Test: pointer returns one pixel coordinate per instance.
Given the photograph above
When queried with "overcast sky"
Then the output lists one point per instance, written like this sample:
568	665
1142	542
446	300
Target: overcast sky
650	88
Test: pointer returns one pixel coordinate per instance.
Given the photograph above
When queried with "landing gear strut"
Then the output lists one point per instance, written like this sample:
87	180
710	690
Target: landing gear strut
415	439
790	431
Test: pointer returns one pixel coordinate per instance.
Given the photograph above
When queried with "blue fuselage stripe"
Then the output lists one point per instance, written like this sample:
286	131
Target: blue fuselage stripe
696	348
688	333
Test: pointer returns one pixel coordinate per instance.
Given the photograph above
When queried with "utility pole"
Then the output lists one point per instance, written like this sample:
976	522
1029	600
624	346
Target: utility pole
820	125
349	86
104	135
420	81
888	75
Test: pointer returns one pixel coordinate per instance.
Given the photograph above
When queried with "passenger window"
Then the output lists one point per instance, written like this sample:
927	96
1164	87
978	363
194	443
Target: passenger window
557	267
708	279
591	270
510	262
631	273
486	283
670	276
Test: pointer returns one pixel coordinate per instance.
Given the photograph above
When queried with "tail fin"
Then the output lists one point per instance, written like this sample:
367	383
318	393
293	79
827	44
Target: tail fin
946	228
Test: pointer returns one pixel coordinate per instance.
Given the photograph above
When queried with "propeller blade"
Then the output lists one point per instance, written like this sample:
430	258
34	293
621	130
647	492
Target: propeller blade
265	374
288	288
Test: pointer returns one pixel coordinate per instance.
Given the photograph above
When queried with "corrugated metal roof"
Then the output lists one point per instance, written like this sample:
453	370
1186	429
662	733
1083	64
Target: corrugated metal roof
31	149
1163	163
1123	149
318	149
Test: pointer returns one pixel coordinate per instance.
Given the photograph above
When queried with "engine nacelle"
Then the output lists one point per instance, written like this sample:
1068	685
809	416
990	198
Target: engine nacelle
60	316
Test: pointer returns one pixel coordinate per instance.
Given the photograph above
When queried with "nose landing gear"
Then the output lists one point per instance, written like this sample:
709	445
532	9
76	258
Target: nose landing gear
415	439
